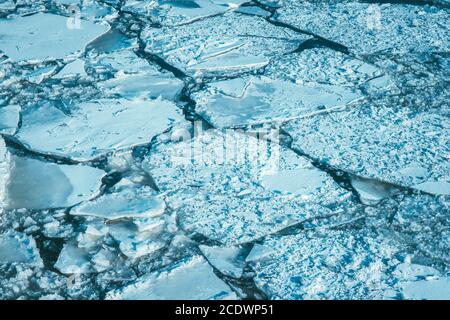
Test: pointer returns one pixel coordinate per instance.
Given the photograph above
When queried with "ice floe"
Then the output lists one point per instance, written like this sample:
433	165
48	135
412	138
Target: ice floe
17	247
216	183
176	12
228	260
125	202
34	184
72	69
262	100
190	279
45	36
221	46
9	119
370	191
95	128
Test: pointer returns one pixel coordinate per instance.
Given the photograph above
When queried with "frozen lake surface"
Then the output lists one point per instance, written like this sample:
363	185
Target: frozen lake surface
212	149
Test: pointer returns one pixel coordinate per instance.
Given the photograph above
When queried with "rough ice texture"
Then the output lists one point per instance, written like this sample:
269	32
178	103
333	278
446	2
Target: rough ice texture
367	28
45	36
343	265
93	129
189	279
395	145
221	46
234	188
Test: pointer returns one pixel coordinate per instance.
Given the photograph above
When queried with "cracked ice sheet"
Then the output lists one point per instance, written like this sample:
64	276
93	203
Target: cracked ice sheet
94	129
347	264
234	188
177	12
380	142
189	279
293	86
45	36
221	46
368	29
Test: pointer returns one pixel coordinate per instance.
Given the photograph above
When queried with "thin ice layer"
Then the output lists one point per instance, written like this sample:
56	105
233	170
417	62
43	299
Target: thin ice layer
45	36
189	279
234	188
395	145
94	129
223	45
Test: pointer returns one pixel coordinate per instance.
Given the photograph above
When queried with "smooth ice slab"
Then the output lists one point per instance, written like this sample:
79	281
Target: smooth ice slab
34	184
235	188
228	260
144	86
348	264
176	12
45	36
9	119
72	69
125	202
395	145
17	247
221	46
371	28
94	129
254	100
190	279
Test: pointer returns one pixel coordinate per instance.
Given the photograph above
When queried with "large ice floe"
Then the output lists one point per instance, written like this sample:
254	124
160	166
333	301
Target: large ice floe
34	184
45	36
93	129
234	188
